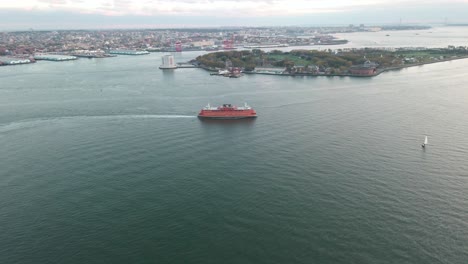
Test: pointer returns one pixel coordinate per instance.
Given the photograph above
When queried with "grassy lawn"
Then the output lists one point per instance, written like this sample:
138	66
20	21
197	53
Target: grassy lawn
295	59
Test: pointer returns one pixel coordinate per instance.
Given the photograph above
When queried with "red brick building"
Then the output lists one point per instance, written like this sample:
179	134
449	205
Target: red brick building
366	69
362	70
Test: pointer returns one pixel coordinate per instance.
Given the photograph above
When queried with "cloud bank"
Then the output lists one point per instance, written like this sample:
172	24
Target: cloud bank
238	8
181	13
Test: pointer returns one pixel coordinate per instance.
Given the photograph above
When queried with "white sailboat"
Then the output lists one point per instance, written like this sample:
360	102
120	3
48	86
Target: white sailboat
425	142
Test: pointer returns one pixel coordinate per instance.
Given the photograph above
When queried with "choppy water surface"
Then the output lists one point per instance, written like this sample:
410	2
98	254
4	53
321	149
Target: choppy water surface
104	161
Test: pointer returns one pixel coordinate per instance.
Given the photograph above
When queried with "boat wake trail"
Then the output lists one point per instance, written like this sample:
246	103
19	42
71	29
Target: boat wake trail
291	104
31	123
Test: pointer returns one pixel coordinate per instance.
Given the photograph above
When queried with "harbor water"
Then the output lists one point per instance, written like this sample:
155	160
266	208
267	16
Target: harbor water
104	161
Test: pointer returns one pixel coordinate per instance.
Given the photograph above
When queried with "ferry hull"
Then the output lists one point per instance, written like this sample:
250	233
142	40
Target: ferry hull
227	111
226	117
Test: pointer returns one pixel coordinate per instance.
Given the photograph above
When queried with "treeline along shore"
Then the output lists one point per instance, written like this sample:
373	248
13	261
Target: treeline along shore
365	62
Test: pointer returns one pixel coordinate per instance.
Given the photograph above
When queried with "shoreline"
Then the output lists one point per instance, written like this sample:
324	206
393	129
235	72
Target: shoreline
418	64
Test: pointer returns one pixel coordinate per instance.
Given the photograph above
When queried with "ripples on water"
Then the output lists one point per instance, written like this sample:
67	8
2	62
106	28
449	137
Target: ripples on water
31	123
119	169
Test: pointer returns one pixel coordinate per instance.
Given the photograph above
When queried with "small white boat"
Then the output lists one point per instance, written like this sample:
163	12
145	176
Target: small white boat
425	142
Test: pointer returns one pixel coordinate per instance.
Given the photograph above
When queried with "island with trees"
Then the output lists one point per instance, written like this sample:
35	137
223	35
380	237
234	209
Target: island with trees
341	62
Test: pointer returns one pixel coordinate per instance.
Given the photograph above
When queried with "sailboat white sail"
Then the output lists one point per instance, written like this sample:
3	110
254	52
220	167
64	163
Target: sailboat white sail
425	142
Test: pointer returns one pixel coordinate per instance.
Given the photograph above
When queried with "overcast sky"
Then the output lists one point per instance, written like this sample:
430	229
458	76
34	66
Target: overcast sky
84	14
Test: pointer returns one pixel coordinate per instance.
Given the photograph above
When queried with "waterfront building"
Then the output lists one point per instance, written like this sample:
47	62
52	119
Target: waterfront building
13	61
366	69
361	70
203	43
269	70
168	62
178	46
129	52
54	57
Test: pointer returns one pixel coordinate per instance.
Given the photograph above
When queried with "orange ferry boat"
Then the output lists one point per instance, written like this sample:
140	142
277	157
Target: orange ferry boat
227	111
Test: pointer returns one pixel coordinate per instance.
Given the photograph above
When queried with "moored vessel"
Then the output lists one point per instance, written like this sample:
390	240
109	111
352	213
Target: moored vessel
227	111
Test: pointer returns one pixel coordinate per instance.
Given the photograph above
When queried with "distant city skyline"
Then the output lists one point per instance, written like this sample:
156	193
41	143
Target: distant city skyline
94	14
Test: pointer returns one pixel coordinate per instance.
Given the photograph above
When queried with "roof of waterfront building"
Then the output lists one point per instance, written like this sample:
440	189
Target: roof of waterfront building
129	52
53	57
9	60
